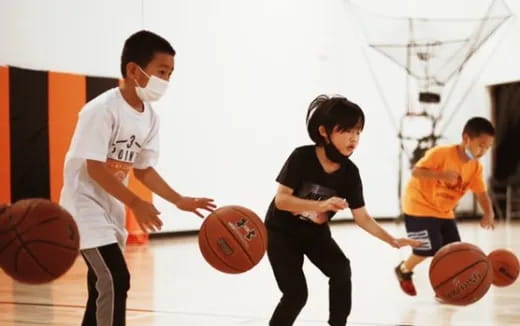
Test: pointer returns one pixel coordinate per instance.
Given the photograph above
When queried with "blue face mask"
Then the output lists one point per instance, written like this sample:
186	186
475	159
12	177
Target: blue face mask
469	154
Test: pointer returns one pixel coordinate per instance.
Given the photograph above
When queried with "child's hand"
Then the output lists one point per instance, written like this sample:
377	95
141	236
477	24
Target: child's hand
488	221
333	204
146	215
191	204
401	242
318	218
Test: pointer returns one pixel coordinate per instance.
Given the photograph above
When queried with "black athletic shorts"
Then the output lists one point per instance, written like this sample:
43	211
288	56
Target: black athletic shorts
434	233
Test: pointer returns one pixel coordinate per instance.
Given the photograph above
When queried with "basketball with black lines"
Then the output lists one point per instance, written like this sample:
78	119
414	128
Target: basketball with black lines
506	267
39	240
233	239
460	273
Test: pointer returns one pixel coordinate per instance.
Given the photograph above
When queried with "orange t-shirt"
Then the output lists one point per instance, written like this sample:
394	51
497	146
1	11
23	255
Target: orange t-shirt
436	198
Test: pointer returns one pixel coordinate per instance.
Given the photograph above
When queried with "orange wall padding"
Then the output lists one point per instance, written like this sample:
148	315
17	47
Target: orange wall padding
67	95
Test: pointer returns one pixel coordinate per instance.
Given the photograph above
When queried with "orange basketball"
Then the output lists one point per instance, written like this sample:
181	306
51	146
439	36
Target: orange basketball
233	239
39	240
505	267
460	273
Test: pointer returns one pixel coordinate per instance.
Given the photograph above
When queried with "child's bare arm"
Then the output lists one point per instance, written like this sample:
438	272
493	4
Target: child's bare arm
101	174
365	221
449	176
488	220
286	201
145	212
151	179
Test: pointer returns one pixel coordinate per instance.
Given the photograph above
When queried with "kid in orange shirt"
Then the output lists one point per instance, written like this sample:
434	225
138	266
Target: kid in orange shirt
438	182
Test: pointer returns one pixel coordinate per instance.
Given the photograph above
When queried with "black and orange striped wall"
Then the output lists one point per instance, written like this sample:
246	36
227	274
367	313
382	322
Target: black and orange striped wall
38	113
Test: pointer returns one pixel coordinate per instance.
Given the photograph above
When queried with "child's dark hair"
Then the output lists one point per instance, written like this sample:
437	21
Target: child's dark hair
140	48
477	126
334	113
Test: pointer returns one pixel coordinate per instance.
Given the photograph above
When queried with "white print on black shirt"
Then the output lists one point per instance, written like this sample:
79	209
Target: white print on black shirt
313	191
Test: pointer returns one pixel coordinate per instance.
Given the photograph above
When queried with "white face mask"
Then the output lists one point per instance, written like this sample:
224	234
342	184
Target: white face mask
154	90
469	154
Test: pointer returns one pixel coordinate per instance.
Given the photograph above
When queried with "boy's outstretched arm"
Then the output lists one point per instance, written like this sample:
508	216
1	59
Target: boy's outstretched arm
488	220
151	179
285	200
366	222
449	176
145	212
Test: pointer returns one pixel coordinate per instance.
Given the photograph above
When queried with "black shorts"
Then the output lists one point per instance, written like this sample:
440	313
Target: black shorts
434	233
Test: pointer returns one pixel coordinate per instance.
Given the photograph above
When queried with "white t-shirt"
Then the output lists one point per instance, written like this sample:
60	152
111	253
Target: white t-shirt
108	130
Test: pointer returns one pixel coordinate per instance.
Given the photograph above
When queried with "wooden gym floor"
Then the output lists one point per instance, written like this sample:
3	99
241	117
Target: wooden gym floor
172	285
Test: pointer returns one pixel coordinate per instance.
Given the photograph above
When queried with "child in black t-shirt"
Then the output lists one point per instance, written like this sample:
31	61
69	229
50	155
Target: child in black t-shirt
316	182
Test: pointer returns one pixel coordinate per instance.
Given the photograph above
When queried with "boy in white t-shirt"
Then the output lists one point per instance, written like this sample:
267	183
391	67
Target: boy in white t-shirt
118	131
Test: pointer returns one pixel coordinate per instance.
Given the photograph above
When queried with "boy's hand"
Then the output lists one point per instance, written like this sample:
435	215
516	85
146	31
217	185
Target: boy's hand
318	218
333	204
401	242
191	204
488	221
146	215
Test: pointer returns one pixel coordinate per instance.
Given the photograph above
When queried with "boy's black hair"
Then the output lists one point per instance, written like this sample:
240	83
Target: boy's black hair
334	113
140	48
477	126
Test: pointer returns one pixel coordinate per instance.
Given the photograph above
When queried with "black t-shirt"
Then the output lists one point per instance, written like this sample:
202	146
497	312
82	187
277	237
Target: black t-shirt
304	174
